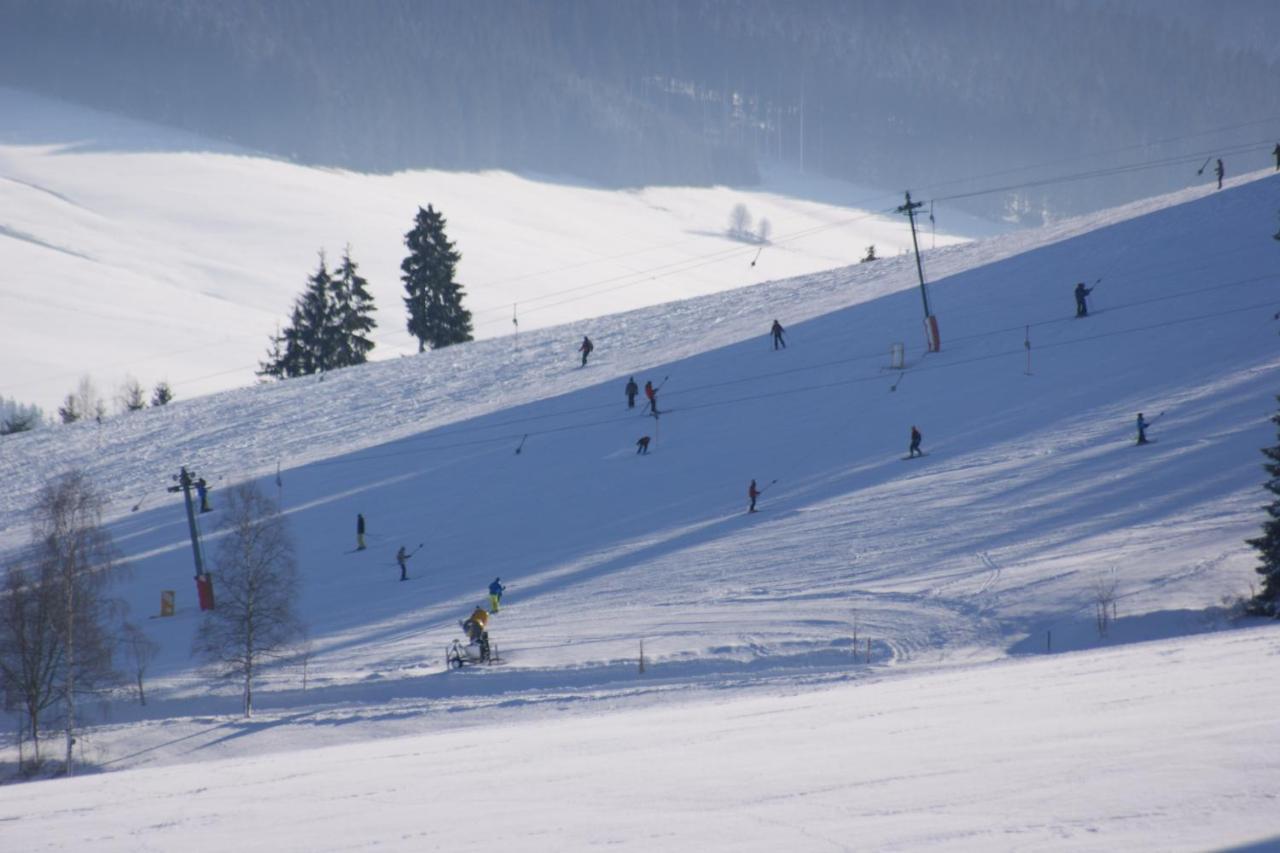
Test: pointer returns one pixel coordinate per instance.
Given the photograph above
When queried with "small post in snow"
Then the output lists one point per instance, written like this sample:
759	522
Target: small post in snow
642	657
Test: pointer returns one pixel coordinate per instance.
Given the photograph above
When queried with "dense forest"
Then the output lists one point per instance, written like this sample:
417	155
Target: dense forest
886	93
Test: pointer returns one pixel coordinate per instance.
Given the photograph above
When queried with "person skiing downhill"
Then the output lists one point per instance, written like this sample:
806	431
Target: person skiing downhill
402	557
752	494
652	394
1142	429
632	390
1219	171
915	450
495	594
359	531
777	331
1082	307
642	446
586	349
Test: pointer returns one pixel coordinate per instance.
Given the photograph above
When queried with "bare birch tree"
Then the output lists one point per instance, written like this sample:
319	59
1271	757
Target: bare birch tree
257	578
55	639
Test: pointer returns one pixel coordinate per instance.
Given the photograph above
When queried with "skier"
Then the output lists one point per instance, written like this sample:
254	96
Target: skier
1082	308
642	446
632	390
1219	171
359	531
915	450
1142	429
402	557
495	594
652	394
1276	152
752	493
586	349
777	331
202	490
476	624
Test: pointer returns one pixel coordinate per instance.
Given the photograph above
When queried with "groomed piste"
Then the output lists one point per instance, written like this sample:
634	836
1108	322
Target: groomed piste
890	654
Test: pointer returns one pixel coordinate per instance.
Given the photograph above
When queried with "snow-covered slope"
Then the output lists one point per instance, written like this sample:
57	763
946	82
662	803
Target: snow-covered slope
989	546
134	249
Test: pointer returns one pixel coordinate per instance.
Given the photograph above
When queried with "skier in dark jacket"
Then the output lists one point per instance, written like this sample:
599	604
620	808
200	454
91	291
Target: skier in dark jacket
359	531
632	390
202	491
1276	152
777	331
1082	308
652	394
1219	171
752	494
402	557
495	594
642	446
915	450
586	349
1143	423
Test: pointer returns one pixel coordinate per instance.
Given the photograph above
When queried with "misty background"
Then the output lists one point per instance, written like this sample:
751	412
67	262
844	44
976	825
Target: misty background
883	93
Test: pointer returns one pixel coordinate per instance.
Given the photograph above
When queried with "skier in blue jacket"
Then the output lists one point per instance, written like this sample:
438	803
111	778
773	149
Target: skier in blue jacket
495	594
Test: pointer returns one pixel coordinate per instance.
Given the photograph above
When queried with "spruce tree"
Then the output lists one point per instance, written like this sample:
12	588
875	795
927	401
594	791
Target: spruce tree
434	299
311	340
352	308
1267	601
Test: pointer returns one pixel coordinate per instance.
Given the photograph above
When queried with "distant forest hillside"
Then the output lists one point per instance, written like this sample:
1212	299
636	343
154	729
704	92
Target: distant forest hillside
887	93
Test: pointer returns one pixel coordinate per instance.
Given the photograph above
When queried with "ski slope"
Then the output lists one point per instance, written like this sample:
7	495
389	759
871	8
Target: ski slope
133	249
858	665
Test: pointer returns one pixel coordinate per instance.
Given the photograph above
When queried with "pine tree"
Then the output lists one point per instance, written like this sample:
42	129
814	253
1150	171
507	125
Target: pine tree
434	299
352	307
162	394
1267	601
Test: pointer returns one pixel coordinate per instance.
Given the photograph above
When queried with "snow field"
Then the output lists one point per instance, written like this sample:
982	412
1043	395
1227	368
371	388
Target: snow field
757	722
136	249
1119	749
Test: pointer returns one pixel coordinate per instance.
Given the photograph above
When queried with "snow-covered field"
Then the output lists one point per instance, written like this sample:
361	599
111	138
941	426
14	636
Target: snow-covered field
860	665
132	249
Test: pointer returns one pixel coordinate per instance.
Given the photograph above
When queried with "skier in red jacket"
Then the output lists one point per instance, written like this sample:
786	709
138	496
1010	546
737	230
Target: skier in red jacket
752	493
651	394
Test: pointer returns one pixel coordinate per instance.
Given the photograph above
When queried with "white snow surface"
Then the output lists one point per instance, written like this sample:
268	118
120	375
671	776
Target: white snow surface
860	665
136	250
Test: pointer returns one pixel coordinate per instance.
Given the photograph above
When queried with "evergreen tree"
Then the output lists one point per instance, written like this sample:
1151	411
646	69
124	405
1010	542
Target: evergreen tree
434	299
310	342
353	305
162	395
1267	601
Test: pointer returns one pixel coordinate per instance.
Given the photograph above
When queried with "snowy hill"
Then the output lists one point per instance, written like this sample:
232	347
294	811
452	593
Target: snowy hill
761	718
135	249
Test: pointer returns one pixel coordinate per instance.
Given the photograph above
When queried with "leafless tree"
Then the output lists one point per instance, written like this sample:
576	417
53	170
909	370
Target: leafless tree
763	229
55	639
1104	601
254	621
740	222
140	650
30	651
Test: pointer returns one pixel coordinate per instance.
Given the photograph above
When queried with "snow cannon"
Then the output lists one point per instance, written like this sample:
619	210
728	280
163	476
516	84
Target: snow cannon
459	654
